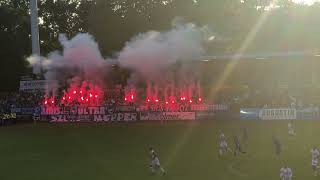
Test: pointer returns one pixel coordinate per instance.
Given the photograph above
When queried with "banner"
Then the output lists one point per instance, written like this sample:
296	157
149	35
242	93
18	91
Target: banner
204	115
165	108
278	114
305	113
86	114
209	107
74	110
308	113
113	117
249	113
24	111
41	85
7	116
158	116
125	108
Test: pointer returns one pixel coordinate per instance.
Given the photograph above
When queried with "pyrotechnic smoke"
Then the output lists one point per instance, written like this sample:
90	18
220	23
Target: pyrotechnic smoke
79	61
150	56
153	52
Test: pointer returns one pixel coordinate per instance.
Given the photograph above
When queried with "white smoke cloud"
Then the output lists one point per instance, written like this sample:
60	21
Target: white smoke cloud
79	61
151	53
148	55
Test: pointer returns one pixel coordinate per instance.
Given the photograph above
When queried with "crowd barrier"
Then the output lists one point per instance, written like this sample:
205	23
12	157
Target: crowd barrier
129	113
7	118
302	113
26	113
118	113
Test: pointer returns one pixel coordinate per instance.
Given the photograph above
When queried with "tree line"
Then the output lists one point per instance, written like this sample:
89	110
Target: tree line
271	26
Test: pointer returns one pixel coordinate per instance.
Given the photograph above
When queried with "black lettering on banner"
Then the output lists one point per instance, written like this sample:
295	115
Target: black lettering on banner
277	114
120	117
85	114
134	116
114	117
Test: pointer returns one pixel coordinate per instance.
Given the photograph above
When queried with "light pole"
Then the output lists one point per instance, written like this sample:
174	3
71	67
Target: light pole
35	34
34	28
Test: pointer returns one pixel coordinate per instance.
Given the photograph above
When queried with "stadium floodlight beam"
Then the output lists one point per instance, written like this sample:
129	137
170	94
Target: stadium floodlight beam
34	27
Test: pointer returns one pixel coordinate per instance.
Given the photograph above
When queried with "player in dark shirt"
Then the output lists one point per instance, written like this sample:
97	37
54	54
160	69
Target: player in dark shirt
155	162
237	144
277	145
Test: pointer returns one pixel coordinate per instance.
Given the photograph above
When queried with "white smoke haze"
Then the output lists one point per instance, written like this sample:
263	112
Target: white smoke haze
150	57
80	61
151	53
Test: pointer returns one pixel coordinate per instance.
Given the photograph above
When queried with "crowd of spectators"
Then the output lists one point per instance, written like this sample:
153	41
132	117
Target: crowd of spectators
257	99
20	99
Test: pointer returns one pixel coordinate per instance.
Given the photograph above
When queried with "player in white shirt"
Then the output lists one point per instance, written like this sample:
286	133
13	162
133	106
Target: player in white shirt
155	162
314	161
223	145
285	173
291	129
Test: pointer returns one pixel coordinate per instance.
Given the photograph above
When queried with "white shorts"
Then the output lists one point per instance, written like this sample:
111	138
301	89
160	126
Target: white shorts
314	162
155	163
223	145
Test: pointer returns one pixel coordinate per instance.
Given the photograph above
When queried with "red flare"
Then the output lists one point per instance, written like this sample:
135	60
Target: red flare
96	96
172	102
52	101
157	100
131	96
190	101
63	98
69	97
45	102
82	98
200	99
74	92
148	100
167	102
91	95
125	99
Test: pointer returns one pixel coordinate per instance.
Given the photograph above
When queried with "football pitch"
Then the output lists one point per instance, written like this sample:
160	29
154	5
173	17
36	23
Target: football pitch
187	150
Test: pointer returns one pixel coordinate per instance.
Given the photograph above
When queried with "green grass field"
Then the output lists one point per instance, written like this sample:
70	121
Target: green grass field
188	151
